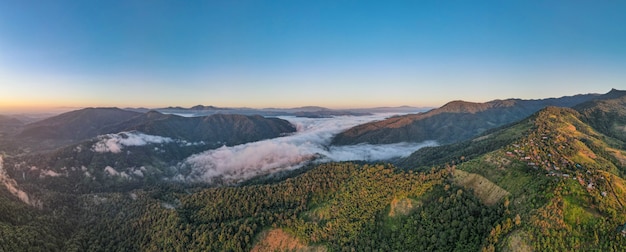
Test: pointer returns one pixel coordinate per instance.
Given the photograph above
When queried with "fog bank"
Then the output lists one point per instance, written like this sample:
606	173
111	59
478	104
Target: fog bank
309	144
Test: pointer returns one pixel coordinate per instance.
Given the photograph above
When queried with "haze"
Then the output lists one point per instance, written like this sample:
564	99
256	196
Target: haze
338	54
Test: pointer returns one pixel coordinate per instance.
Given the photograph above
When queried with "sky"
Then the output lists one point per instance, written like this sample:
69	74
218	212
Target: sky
337	54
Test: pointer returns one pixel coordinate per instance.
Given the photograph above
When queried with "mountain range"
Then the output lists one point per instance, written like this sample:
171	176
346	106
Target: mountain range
454	121
76	126
552	180
307	111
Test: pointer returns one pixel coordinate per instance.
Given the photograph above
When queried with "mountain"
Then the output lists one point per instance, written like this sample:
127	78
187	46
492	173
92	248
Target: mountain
220	129
552	183
144	149
202	107
9	125
77	125
607	113
308	111
564	178
455	121
225	129
9	121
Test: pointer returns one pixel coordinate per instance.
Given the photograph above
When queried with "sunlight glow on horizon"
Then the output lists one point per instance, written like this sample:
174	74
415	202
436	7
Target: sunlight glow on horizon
281	55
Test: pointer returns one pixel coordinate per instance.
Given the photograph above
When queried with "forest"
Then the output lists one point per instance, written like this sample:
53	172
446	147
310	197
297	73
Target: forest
550	182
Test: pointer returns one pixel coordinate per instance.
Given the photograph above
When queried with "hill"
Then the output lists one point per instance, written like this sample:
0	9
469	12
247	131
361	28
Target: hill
221	129
564	178
9	125
453	122
607	114
81	125
77	125
142	150
68	128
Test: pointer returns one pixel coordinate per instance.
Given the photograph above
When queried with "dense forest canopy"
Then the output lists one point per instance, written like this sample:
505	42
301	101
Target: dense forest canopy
554	181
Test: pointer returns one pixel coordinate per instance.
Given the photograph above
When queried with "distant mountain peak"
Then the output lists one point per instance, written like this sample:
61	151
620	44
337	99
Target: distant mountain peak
311	108
202	107
614	93
459	106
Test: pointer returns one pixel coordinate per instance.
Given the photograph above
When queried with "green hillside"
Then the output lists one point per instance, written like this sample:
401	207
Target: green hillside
550	182
452	122
565	180
607	115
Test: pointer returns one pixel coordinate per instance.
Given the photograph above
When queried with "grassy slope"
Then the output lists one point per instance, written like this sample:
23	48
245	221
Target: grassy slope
558	211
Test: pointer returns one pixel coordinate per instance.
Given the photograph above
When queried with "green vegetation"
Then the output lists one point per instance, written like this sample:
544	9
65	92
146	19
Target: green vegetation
491	140
339	206
551	182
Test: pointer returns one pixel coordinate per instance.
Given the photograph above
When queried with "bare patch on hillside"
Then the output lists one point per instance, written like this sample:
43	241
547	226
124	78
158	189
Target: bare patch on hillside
13	188
402	207
279	240
488	192
516	242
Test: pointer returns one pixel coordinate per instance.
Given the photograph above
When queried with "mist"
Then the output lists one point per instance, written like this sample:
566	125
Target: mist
115	143
311	143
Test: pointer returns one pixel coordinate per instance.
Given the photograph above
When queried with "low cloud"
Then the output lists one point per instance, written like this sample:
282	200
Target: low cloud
373	152
111	171
309	144
115	142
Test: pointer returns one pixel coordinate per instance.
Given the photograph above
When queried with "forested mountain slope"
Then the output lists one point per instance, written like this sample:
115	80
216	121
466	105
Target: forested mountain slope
550	182
607	114
552	185
77	125
564	179
227	129
144	149
453	122
80	125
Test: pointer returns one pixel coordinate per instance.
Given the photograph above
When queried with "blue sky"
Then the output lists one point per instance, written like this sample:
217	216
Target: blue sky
295	53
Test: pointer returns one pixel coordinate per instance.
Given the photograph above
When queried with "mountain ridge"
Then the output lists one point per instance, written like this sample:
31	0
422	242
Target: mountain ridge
551	181
455	121
80	125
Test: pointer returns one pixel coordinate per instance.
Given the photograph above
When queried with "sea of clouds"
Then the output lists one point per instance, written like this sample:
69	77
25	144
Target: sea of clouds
311	143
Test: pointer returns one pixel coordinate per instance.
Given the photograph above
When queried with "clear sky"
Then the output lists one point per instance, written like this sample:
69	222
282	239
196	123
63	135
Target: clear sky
294	53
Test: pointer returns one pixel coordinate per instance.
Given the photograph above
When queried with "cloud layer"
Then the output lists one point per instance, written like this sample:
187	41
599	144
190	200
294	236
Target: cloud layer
309	143
115	142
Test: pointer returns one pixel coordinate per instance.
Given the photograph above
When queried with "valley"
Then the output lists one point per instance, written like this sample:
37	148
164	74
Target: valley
544	178
331	126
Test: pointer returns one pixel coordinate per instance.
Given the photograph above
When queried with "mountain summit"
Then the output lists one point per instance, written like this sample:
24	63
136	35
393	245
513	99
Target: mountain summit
455	121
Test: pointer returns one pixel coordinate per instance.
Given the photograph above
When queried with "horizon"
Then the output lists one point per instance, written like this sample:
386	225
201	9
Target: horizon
338	55
64	109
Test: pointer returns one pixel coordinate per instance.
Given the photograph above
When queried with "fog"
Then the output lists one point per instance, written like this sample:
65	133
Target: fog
115	142
309	144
